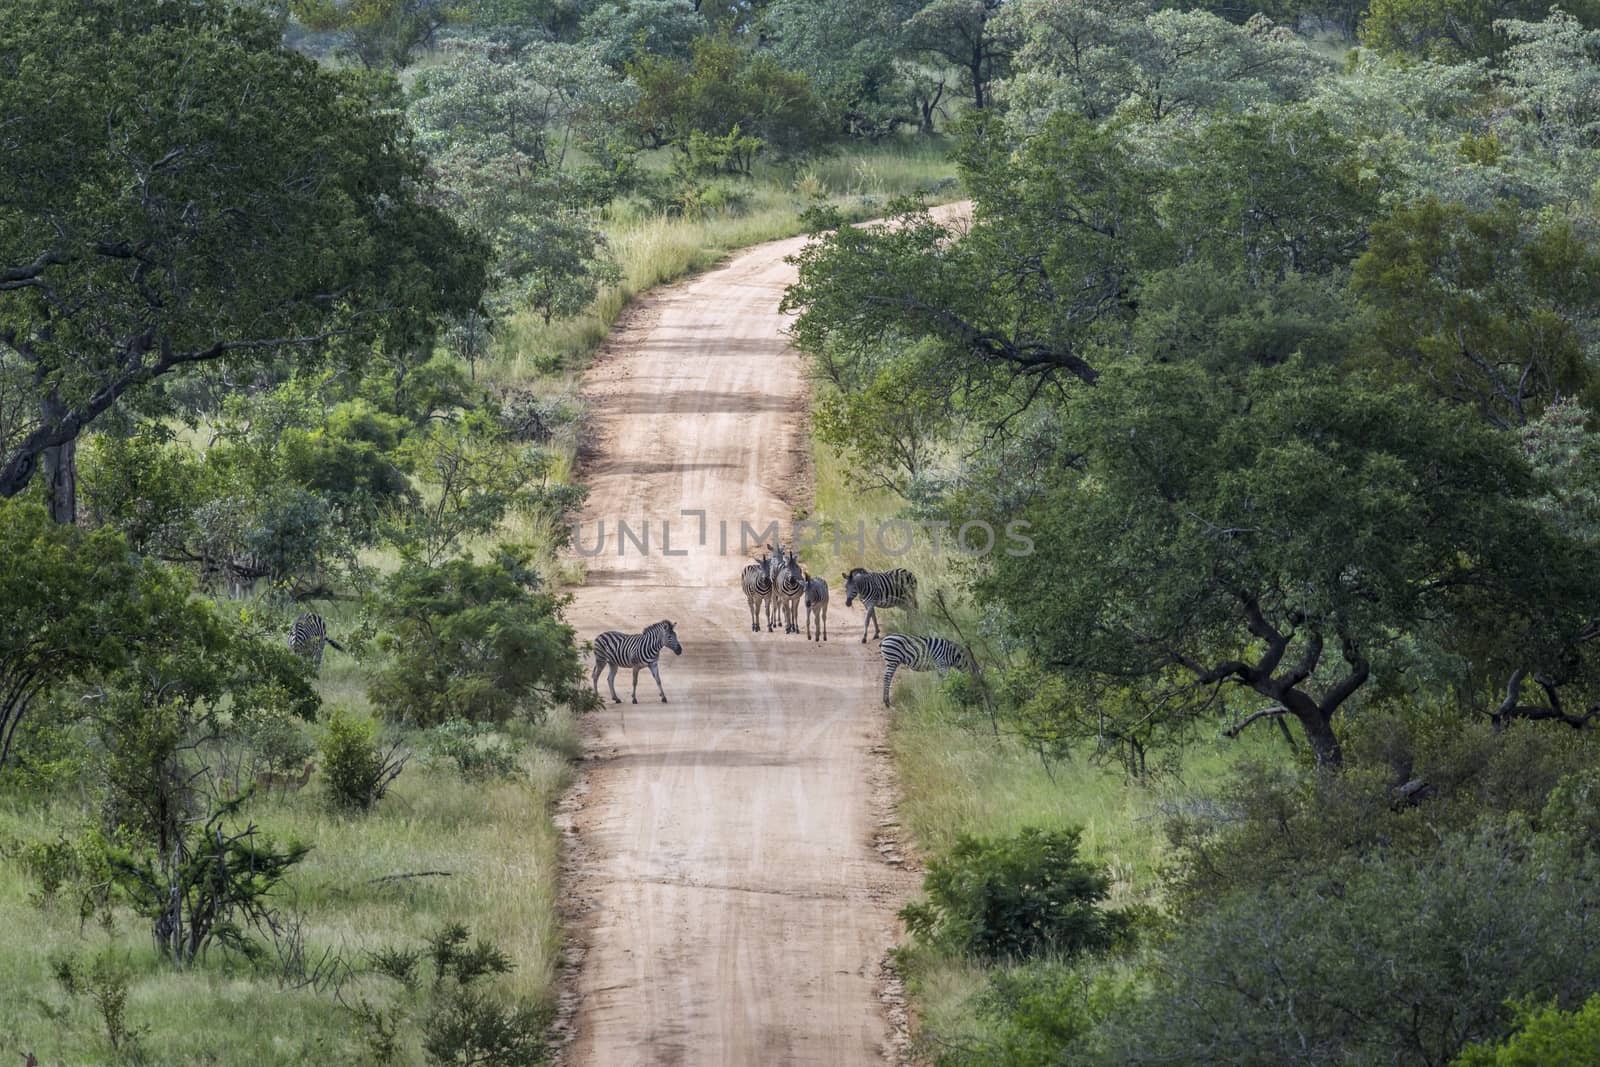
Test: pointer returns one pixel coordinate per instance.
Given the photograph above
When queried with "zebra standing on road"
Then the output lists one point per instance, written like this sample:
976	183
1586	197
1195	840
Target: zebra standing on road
879	589
758	586
920	654
816	606
307	636
791	587
616	649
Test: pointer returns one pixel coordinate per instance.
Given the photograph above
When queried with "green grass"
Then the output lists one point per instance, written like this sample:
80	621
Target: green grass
496	839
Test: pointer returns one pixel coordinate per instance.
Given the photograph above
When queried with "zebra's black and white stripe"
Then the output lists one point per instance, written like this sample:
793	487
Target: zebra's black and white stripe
816	607
758	586
920	654
879	589
307	636
791	586
616	649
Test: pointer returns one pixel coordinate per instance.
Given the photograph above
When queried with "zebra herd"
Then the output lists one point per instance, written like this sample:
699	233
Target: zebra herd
779	584
776	581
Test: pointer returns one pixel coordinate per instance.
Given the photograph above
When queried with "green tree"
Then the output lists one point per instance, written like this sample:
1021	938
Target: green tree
1371	961
1547	1037
383	34
1493	308
192	194
1451	29
966	35
1278	537
475	641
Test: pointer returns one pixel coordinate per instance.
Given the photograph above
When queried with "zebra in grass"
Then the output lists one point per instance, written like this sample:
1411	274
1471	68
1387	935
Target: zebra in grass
616	649
816	607
758	586
307	636
920	654
879	589
791	586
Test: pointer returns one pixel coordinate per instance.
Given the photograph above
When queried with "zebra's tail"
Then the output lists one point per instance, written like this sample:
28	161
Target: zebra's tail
331	643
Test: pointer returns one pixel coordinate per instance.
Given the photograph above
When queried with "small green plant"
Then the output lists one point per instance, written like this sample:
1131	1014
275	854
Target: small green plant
471	1027
1015	898
459	1022
358	769
105	984
478	750
77	867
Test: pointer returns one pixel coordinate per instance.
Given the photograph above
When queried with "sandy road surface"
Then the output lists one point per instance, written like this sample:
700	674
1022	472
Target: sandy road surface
732	892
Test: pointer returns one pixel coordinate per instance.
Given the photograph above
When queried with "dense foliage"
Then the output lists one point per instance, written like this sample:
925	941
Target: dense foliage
1290	366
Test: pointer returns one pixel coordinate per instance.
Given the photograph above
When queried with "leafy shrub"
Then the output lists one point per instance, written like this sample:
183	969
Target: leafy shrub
1015	898
459	1022
105	983
1545	1038
212	887
1038	1014
476	748
468	640
77	867
358	770
471	1027
1401	959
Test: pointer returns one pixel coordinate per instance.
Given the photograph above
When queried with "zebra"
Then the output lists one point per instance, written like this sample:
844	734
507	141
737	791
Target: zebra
791	586
757	585
616	649
816	605
920	654
887	589
307	636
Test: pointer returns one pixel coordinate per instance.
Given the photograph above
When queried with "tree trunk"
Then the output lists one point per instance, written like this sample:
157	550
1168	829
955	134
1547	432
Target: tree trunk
60	464
61	482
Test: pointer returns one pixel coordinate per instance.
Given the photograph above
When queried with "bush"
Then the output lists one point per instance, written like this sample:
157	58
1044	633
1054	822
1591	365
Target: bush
459	1022
359	771
1382	960
1547	1038
1015	898
474	641
477	749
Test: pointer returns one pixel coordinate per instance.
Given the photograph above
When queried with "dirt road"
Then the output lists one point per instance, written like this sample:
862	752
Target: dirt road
732	894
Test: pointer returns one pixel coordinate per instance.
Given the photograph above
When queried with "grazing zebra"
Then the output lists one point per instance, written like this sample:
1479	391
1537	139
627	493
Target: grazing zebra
879	589
757	585
791	586
920	654
616	649
307	636
816	605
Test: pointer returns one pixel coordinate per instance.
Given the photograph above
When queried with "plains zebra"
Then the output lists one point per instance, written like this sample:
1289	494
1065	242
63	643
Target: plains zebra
616	649
920	654
879	589
791	586
816	606
307	636
757	585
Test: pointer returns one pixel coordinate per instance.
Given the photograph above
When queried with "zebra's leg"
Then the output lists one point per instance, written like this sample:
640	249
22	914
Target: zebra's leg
655	673
870	620
595	678
888	676
824	626
611	682
636	685
809	613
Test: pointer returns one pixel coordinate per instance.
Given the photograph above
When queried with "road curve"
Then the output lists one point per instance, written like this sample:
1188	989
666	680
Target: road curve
731	896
